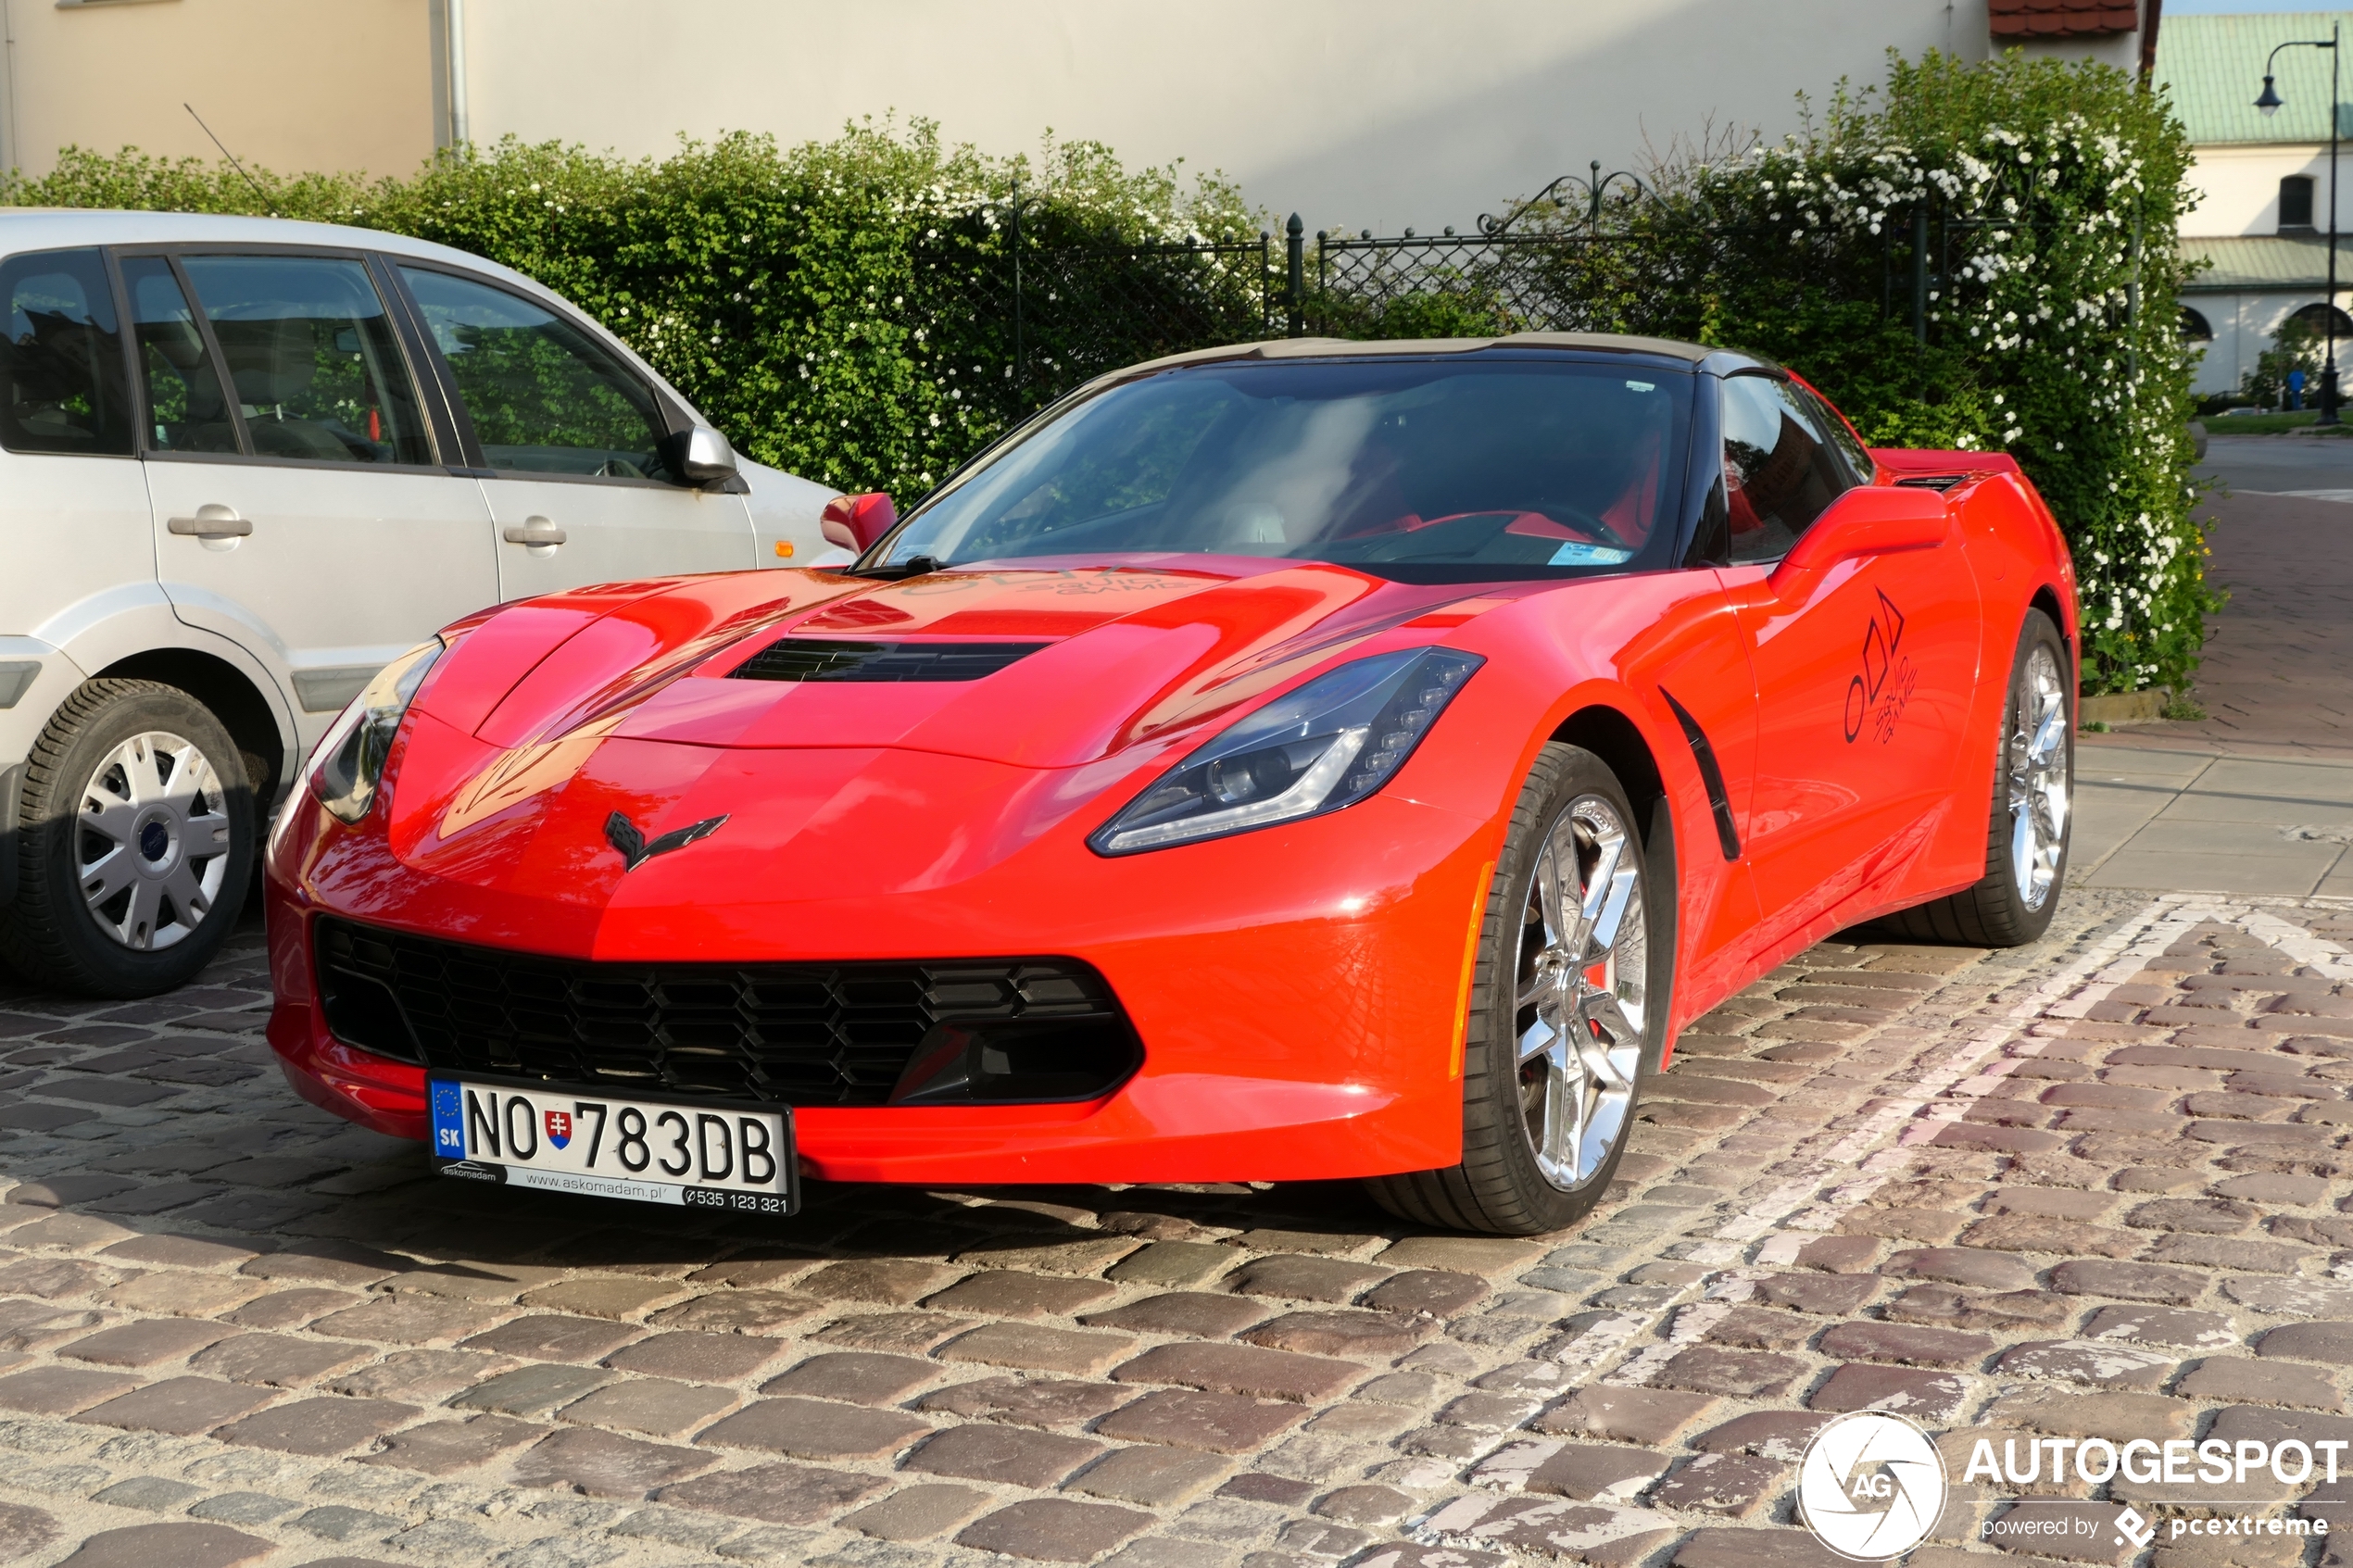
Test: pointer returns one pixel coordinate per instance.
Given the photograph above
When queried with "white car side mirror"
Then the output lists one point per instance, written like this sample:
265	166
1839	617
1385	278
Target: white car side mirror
704	456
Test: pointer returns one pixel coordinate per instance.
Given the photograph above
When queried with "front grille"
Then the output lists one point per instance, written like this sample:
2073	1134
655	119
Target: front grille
954	1031
814	659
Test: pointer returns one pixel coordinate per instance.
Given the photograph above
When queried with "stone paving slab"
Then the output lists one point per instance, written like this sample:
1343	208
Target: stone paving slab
2099	1185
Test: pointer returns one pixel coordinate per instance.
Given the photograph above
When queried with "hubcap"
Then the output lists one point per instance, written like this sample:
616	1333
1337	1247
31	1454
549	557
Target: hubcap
2038	778
153	843
1584	956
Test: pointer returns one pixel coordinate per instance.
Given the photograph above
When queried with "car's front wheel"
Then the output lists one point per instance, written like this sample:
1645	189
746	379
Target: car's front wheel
1568	1009
135	842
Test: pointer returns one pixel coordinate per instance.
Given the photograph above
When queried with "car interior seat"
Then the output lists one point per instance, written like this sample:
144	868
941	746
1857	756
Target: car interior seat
271	361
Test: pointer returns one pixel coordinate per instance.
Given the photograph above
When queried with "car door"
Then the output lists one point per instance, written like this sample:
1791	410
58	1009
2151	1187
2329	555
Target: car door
574	446
297	505
1863	671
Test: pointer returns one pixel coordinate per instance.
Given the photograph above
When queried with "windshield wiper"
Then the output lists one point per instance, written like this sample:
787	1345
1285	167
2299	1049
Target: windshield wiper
914	566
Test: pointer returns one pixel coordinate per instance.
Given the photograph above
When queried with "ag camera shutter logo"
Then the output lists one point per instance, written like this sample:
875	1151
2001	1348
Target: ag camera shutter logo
1871	1487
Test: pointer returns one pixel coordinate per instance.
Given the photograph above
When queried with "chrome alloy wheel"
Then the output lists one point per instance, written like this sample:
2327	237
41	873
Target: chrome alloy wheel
152	849
1584	959
2039	778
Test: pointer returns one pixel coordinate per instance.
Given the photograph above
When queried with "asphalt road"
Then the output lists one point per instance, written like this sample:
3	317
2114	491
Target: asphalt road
2281	464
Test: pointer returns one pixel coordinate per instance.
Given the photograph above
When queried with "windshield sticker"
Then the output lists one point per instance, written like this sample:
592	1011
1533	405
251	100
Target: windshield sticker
1580	554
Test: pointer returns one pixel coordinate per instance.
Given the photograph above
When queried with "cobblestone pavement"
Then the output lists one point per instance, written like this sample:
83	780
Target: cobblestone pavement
2089	1188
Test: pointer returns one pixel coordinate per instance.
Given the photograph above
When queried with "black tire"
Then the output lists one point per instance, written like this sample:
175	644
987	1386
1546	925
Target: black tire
1501	1185
189	893
2001	910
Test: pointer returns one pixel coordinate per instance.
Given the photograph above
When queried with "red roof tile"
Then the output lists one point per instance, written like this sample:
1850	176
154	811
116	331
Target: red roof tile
2061	18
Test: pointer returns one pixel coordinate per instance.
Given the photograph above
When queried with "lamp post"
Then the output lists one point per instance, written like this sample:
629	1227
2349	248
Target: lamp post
2270	104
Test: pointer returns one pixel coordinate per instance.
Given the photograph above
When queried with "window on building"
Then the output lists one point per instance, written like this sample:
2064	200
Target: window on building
2316	316
2196	328
2296	204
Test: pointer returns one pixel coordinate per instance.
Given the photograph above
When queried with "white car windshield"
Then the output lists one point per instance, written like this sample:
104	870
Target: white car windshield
1465	468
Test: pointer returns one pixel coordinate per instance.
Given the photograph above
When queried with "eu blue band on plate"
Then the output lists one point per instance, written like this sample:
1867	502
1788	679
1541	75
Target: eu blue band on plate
448	1122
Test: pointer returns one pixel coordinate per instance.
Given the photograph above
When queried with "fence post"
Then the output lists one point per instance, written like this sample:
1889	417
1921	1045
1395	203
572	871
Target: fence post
2132	308
1021	367
1920	274
1296	250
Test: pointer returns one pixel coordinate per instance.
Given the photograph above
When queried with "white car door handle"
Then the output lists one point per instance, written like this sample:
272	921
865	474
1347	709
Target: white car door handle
213	521
533	530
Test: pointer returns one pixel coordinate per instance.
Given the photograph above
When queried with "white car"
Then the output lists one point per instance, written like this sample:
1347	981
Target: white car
243	464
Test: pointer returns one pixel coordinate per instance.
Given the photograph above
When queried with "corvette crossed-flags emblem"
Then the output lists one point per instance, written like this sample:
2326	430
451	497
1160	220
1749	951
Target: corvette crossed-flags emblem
637	849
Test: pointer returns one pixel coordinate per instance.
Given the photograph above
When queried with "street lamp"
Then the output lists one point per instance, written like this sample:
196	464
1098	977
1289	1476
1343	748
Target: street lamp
2270	104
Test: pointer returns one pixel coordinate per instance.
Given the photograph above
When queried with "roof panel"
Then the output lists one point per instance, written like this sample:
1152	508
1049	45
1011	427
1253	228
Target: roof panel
2266	261
2213	68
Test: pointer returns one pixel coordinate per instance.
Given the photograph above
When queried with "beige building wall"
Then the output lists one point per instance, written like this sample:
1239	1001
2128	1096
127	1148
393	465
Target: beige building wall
294	85
1358	113
1375	114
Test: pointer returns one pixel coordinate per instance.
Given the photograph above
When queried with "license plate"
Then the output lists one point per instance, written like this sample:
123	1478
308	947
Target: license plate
649	1151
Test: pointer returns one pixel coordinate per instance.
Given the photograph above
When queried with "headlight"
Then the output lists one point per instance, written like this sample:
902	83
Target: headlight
349	761
1329	743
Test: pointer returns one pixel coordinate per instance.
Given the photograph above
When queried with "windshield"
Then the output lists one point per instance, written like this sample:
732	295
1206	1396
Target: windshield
1465	469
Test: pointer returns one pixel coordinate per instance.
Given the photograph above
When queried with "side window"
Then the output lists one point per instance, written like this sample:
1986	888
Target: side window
1780	467
186	408
61	382
317	367
544	397
1859	466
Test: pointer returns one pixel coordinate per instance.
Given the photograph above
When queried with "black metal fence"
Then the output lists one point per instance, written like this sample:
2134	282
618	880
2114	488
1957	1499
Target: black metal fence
1056	312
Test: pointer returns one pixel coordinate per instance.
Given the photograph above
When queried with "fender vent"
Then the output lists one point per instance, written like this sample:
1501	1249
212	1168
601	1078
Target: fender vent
1931	482
1720	800
823	658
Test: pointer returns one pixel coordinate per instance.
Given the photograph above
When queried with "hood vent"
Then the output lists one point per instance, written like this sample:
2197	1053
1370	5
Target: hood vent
823	658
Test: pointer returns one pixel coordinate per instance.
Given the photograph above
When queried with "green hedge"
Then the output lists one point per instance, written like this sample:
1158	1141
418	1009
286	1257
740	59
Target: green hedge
838	308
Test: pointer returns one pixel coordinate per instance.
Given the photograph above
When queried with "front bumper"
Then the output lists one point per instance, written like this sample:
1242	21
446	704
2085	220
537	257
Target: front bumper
1298	991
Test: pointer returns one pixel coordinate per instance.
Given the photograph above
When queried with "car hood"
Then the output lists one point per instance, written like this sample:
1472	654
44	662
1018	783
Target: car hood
628	698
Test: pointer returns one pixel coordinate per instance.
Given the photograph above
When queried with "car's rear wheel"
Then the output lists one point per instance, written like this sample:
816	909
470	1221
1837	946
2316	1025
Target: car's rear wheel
135	842
1568	1009
2033	810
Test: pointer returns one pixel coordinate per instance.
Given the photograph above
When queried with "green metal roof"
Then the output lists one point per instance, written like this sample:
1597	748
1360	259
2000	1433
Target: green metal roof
2257	262
2213	67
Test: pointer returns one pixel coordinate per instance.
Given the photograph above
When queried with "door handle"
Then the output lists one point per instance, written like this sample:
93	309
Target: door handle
213	521
533	530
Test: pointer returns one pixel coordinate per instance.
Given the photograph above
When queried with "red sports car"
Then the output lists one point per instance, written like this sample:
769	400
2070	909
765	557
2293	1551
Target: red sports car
1298	761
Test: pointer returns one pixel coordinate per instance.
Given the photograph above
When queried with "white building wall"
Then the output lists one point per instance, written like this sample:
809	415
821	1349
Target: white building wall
1357	113
2244	325
2237	187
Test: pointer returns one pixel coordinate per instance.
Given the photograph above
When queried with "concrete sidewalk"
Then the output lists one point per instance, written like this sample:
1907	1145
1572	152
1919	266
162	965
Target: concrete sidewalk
2257	797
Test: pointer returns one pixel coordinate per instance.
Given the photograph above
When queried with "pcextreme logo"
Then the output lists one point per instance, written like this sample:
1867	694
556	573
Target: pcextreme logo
1871	1487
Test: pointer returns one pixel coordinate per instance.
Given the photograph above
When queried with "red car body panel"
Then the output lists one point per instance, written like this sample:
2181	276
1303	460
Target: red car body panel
1299	990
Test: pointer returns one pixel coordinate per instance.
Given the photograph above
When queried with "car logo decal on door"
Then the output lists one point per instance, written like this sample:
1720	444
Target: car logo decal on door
636	850
1876	698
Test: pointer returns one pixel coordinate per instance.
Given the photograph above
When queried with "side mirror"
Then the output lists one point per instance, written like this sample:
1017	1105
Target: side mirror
856	521
1867	520
701	456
